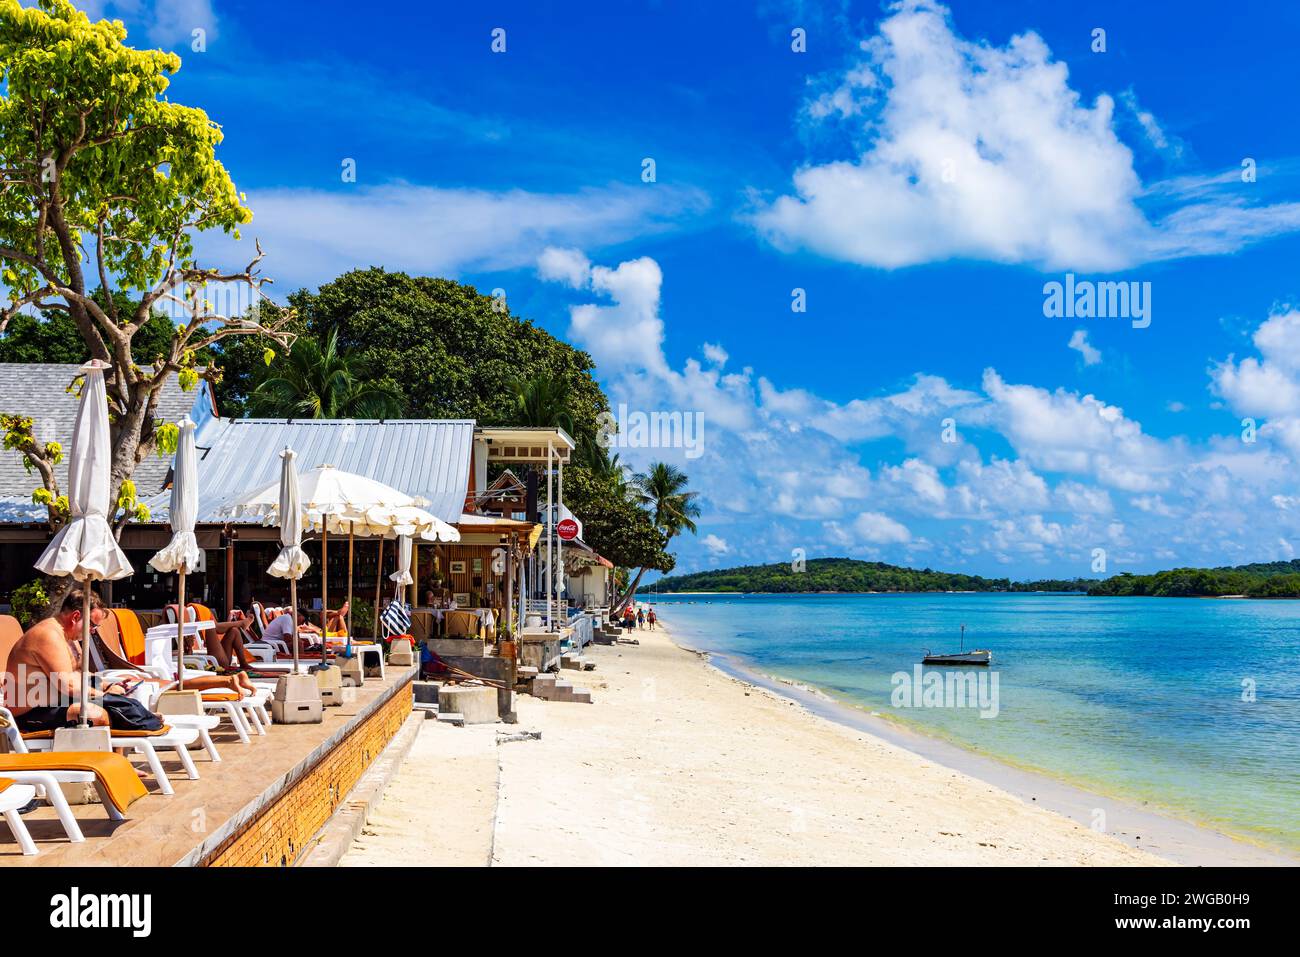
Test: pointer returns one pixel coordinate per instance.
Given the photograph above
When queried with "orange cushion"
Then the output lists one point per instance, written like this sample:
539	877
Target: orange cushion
203	612
222	696
119	779
128	626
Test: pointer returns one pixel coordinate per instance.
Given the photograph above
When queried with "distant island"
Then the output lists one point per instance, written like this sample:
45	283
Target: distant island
1260	580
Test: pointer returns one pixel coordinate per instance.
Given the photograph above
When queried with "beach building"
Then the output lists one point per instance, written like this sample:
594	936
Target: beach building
503	560
507	595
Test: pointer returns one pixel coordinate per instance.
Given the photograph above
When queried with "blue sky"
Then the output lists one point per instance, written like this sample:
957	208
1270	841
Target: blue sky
921	171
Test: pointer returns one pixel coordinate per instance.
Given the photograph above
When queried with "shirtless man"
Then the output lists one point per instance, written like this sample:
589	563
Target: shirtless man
42	681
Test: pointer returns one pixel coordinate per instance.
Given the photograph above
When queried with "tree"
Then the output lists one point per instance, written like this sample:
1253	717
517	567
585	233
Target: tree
105	182
316	382
662	489
541	400
614	525
451	352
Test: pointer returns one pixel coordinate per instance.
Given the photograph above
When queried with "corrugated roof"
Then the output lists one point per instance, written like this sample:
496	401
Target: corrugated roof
425	457
39	390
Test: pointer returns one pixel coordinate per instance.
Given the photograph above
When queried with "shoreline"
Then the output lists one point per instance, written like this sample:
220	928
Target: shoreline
1159	832
686	758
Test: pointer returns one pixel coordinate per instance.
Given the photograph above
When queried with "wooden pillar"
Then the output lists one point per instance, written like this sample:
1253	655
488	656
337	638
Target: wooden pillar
230	572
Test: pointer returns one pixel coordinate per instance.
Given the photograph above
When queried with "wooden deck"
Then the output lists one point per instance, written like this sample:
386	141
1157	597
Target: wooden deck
290	776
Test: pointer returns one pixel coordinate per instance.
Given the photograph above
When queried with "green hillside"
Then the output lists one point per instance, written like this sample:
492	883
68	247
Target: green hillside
846	575
1258	580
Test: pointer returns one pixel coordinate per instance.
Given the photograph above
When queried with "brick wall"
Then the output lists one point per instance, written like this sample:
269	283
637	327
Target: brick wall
278	835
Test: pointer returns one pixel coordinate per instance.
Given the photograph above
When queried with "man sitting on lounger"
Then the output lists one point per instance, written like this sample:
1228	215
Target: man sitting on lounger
281	629
42	682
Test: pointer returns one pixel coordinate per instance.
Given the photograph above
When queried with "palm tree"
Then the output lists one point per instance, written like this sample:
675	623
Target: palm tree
662	489
542	400
604	467
318	382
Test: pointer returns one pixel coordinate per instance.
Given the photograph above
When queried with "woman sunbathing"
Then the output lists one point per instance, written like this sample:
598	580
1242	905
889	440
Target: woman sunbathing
225	639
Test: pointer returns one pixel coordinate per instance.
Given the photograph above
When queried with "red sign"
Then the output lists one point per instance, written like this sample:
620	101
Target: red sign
567	529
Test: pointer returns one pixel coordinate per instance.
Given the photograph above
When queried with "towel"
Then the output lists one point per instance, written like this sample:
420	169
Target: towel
203	612
4	784
116	776
128	627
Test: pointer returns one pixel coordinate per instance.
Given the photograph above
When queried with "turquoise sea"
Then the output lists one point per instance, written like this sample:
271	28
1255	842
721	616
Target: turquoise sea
1141	698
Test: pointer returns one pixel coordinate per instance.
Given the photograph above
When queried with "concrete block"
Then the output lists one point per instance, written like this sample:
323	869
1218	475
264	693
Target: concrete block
329	682
400	653
426	691
477	705
457	647
81	739
352	674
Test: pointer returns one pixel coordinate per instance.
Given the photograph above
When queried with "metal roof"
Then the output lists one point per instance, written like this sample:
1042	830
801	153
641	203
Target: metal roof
425	457
39	390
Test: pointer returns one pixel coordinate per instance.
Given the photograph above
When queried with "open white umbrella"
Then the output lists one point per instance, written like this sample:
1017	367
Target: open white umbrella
85	548
292	560
334	501
182	552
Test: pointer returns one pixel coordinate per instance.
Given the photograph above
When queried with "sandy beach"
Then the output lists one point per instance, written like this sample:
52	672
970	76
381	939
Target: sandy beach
678	763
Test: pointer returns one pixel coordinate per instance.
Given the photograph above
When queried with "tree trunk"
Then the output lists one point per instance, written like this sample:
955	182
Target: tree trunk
56	588
627	595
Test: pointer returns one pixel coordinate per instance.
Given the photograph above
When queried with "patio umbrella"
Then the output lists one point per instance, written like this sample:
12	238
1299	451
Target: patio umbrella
182	552
292	560
337	501
85	548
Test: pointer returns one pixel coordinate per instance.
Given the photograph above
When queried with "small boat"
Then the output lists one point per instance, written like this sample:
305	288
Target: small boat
979	656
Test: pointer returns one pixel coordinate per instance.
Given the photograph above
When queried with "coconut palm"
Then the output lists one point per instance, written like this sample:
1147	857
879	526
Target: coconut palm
541	400
604	467
662	490
320	382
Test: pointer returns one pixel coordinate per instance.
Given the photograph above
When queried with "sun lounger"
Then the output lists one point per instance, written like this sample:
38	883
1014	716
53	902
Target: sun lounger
244	712
147	743
115	778
112	776
12	797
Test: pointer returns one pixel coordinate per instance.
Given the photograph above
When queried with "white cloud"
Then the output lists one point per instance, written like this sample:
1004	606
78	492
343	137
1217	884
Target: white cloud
715	354
715	545
165	22
971	150
1079	343
880	529
569	266
1270	385
309	234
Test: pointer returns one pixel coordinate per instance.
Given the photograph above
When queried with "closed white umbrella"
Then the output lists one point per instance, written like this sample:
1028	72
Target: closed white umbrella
85	548
403	574
292	561
182	552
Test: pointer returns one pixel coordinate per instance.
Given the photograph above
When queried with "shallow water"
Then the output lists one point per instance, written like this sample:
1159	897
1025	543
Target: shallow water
1142	698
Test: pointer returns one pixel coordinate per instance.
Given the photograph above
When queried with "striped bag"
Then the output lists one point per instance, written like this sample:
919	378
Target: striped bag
396	618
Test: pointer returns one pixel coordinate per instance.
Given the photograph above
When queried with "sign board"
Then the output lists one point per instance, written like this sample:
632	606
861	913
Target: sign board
567	529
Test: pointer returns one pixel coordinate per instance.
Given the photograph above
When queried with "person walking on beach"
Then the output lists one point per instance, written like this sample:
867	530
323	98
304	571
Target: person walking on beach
640	618
651	619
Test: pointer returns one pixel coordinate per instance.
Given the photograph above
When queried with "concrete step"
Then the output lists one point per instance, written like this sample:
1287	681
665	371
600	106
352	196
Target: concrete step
452	718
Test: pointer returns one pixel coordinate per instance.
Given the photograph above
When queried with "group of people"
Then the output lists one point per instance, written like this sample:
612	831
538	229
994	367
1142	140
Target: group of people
641	618
42	677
